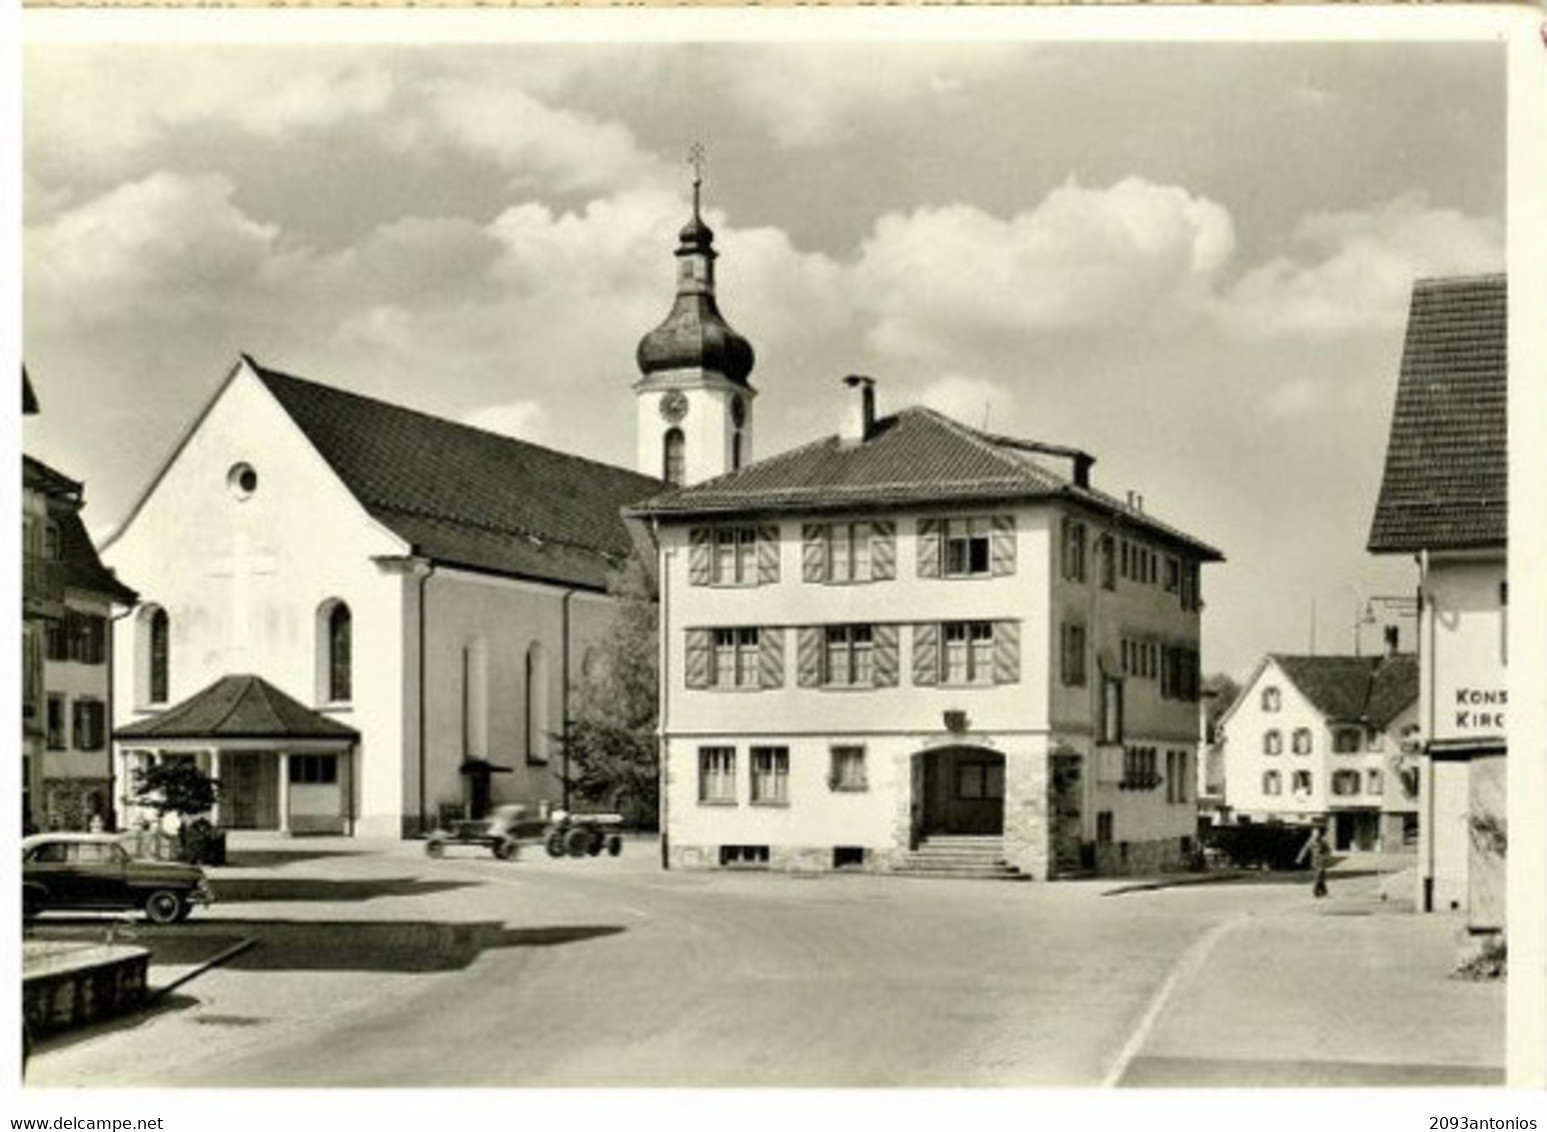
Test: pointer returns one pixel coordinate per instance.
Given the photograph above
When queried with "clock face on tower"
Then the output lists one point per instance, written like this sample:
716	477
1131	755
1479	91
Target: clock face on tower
738	411
674	406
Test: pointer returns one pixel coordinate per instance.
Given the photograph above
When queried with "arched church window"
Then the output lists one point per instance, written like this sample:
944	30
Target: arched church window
335	652
160	655
674	458
736	450
536	704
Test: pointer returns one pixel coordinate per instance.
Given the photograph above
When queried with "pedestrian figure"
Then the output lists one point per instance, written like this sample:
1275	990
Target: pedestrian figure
1318	854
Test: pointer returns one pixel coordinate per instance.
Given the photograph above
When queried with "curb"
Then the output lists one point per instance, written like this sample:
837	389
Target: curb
229	953
1177	882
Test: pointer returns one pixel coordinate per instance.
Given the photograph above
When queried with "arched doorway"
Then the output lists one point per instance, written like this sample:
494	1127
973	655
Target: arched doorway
960	790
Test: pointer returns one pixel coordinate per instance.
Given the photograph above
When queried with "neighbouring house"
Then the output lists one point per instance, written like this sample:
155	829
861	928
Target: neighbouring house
360	618
1443	500
915	644
1326	740
69	603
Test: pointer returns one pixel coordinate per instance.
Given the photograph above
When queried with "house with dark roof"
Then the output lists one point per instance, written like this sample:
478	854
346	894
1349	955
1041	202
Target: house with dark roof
1327	740
69	600
918	646
361	617
1444	502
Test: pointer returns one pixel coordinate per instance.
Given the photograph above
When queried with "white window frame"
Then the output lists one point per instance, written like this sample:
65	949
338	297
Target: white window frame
717	776
848	656
733	556
770	776
967	661
734	653
966	536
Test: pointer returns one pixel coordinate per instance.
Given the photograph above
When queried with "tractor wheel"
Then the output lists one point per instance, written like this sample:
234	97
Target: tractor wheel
164	906
614	846
577	842
435	848
555	844
505	849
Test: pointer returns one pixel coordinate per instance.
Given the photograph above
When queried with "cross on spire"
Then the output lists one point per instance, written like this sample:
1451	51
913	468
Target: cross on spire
698	158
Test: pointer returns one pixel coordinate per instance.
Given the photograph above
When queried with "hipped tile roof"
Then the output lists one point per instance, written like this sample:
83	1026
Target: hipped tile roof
466	497
238	707
1354	689
1446	473
915	457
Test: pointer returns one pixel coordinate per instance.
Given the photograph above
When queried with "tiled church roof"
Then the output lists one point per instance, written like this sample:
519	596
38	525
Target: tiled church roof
238	707
1446	462
916	457
466	497
1352	689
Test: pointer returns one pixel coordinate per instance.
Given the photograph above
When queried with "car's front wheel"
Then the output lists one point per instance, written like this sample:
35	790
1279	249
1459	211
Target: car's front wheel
164	906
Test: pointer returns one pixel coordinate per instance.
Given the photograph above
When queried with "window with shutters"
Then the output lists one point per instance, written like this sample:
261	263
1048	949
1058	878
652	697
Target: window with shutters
1173	575
736	658
1272	782
1346	741
1106	554
770	776
848	657
1302	741
87	637
966	548
1345	783
1074	551
1375	783
1301	783
1191	590
968	653
845	553
1272	699
89	724
717	775
848	552
1073	654
1111	709
735	556
58	740
1272	742
56	641
848	769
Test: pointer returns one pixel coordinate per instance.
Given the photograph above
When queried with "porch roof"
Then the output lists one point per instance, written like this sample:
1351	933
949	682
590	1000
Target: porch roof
238	707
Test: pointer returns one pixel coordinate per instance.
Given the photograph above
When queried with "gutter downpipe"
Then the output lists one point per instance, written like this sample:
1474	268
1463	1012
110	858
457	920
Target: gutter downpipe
1426	613
564	688
112	705
663	682
424	727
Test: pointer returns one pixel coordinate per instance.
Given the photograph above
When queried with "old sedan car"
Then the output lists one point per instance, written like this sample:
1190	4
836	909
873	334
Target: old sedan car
94	871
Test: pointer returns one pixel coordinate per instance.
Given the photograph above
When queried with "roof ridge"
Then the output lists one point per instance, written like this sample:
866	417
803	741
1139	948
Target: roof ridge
266	372
971	435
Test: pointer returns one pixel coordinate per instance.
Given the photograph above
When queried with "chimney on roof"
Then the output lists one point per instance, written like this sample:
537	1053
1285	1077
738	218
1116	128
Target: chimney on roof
1393	637
1082	463
860	421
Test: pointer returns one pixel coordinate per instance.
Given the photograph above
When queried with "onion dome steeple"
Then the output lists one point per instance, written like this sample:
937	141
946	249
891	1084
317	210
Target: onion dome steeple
695	336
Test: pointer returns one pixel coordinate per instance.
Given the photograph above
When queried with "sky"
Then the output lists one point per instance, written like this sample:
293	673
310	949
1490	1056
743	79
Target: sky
1191	260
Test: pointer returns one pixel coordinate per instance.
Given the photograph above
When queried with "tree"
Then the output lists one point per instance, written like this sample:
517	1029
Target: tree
1220	691
612	754
178	787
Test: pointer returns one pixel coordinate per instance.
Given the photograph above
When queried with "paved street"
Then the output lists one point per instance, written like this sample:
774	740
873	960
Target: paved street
375	966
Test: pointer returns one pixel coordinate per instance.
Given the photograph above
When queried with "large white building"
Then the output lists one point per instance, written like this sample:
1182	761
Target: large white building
1443	500
358	616
1326	739
916	642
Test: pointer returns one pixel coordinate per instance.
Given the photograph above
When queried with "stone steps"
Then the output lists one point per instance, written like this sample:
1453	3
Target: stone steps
960	856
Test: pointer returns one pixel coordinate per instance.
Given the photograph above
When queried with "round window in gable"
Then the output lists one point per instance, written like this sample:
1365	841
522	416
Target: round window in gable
242	480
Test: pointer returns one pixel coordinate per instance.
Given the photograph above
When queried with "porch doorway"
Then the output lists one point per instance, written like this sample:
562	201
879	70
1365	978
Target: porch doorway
962	791
249	790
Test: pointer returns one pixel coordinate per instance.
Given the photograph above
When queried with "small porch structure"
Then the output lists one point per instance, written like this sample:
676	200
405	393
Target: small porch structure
281	765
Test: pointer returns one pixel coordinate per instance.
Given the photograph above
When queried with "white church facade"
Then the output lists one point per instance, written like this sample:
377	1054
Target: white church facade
358	616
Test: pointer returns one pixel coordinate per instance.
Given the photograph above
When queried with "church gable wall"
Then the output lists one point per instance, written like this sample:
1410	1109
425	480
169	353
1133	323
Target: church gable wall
242	565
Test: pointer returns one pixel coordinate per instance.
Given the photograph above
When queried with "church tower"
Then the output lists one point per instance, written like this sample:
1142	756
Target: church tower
693	400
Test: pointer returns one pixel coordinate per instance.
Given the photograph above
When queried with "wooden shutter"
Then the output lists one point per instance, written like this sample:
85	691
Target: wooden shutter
929	548
808	659
78	725
770	657
813	552
700	556
883	550
767	556
1007	652
883	667
926	655
1001	549
700	655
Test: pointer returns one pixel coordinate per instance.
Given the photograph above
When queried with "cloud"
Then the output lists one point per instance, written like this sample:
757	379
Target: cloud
161	250
942	280
821	94
523	419
1355	269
